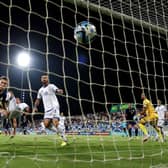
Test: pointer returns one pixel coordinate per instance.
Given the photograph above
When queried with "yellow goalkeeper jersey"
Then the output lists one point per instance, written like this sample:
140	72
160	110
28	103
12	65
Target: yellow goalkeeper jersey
150	110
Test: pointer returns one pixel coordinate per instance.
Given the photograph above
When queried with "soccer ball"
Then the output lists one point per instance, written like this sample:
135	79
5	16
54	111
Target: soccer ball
85	32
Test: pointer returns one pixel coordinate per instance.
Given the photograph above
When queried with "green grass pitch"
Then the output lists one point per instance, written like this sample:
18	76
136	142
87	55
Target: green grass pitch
44	151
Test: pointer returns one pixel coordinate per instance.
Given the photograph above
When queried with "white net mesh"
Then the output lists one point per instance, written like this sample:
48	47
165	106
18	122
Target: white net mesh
128	56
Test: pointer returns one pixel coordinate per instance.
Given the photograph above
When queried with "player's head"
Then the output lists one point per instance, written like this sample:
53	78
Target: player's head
129	105
18	100
3	83
61	114
45	79
159	102
11	92
143	96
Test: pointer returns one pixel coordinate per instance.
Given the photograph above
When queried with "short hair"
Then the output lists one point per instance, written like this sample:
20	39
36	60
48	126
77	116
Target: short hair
44	74
10	90
143	94
159	101
4	78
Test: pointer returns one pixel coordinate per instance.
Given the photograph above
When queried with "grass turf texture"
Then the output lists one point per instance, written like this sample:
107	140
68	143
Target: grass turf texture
44	151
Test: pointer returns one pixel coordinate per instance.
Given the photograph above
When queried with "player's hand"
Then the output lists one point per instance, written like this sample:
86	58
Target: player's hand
34	110
142	113
60	91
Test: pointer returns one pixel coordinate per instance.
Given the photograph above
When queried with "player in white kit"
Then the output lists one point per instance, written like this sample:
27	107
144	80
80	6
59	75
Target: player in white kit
13	112
24	107
161	110
25	117
47	93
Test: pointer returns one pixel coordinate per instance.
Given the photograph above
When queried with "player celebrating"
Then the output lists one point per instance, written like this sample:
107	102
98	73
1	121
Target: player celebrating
51	105
161	111
148	115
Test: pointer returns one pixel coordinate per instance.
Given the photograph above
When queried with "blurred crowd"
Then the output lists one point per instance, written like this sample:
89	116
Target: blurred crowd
92	122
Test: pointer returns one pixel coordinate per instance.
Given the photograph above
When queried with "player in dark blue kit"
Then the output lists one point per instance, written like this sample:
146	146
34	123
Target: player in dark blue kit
3	94
131	123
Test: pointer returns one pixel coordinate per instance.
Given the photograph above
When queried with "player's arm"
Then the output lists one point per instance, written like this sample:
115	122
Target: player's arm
4	101
143	112
56	89
60	91
4	105
36	104
27	110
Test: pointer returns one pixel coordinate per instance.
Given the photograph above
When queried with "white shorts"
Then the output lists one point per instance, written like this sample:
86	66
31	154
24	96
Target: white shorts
53	113
14	114
160	123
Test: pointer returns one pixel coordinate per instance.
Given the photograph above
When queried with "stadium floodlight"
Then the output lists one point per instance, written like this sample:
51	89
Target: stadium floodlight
23	59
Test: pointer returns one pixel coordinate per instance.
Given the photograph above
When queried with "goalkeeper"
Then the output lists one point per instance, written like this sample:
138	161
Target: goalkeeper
148	115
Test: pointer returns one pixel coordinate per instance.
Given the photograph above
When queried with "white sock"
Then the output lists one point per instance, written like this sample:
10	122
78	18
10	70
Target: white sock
62	132
52	128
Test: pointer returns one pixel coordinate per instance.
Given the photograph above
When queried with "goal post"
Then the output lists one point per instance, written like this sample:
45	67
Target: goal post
110	12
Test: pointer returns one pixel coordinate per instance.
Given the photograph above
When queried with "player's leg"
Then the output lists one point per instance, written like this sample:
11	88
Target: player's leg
154	122
43	128
14	125
142	126
55	119
166	118
48	116
136	130
13	115
124	127
60	129
160	125
62	134
55	122
129	127
125	131
162	132
7	126
46	124
4	113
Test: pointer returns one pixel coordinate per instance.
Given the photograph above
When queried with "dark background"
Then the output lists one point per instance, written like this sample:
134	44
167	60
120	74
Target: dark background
116	67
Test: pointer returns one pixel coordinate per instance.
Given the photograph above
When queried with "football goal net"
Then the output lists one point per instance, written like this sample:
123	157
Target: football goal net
100	79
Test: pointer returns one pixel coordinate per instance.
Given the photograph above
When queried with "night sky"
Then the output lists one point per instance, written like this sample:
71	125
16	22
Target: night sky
123	59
